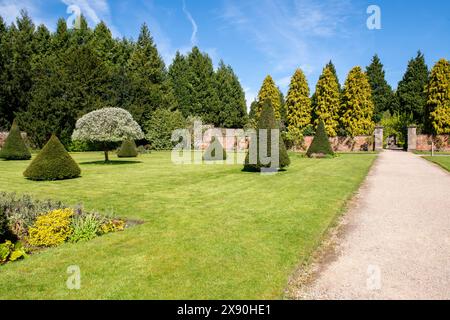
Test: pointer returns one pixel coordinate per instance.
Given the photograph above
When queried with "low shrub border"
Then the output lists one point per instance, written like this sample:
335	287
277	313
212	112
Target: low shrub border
30	225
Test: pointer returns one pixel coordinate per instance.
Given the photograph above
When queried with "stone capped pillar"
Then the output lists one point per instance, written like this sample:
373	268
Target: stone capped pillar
412	138
378	135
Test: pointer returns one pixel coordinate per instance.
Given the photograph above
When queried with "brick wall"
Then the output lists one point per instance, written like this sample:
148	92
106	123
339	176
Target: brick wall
346	144
341	144
441	142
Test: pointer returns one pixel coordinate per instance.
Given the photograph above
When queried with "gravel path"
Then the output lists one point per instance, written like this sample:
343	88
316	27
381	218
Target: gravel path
396	239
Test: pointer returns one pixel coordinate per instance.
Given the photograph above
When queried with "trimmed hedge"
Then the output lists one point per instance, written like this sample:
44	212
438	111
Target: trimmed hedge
320	147
128	149
212	153
53	163
14	147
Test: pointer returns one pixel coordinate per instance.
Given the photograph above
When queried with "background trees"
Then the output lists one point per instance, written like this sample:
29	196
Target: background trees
50	79
382	94
233	107
327	102
298	103
357	105
411	89
438	98
269	91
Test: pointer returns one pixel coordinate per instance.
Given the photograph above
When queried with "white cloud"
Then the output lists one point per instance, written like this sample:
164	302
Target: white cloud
10	10
95	11
290	33
194	24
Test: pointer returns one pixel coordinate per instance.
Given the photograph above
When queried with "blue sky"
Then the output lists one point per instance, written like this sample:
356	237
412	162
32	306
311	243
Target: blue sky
260	37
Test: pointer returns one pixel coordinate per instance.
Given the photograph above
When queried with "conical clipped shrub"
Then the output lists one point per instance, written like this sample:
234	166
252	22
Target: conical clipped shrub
214	151
128	149
53	163
266	121
14	147
320	147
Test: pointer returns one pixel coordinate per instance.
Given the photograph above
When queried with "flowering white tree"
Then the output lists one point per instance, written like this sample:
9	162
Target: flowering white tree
106	128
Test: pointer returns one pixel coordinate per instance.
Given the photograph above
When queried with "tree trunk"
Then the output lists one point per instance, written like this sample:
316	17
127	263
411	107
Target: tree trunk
106	156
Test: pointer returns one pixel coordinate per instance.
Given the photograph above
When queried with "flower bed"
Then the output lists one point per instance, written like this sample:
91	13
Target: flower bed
28	225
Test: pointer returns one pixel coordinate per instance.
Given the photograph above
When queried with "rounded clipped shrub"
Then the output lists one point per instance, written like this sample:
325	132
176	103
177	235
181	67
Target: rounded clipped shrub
215	151
53	163
128	149
320	146
14	147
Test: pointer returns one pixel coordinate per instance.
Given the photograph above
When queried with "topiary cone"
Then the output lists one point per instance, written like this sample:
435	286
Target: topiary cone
320	144
267	121
128	149
212	153
14	147
53	163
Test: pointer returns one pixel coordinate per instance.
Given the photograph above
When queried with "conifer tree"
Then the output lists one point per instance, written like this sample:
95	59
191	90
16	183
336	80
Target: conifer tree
438	98
269	91
14	147
60	39
327	102
179	81
148	79
357	104
283	110
203	100
5	58
52	163
233	107
382	94
20	66
267	122
320	145
411	89
298	102
253	110
331	66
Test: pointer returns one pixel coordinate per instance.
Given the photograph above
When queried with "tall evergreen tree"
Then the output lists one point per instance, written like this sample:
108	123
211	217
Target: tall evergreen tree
233	107
148	79
269	91
298	102
179	81
438	99
203	99
5	58
411	89
60	39
103	43
357	104
331	66
20	65
382	94
327	102
283	110
65	87
253	109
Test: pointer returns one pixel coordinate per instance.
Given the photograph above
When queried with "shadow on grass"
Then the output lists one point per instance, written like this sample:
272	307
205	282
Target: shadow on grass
110	163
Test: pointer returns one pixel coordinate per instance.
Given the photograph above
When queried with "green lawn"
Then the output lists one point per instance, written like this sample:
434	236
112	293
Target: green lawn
443	161
210	232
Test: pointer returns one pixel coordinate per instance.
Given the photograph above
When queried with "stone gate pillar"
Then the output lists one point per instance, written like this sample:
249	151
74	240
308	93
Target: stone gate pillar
378	135
412	138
